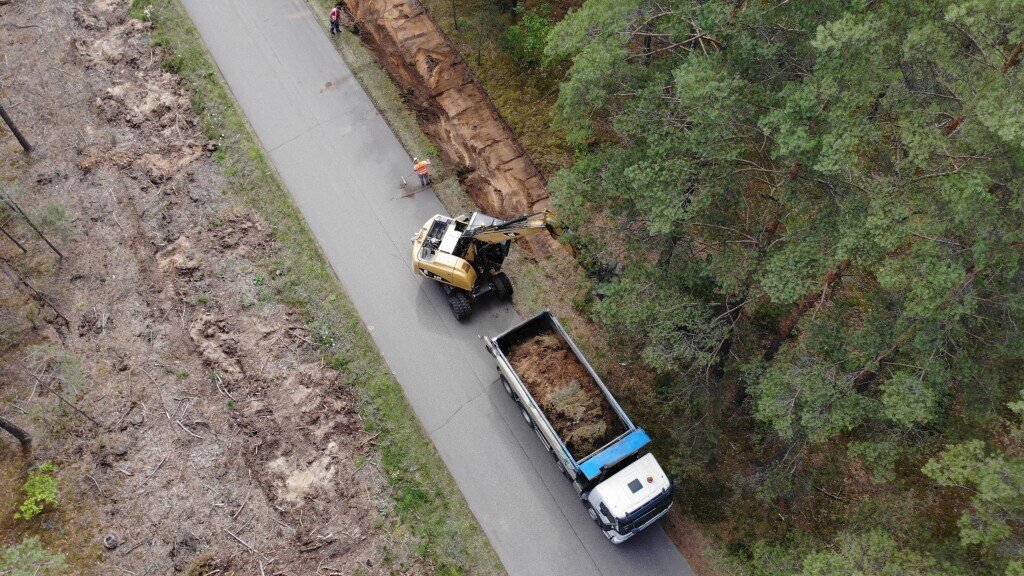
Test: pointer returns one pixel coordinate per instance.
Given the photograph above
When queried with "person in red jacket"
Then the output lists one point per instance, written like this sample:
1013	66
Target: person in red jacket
335	18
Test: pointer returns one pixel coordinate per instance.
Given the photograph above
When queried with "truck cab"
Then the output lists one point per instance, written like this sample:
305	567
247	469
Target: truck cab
631	499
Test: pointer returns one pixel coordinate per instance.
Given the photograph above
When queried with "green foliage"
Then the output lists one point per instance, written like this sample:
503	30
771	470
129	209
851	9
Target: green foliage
525	39
872	554
53	218
880	456
820	204
40	490
30	558
996	483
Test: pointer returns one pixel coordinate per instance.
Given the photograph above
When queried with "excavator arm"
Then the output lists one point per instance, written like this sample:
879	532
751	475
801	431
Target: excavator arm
515	229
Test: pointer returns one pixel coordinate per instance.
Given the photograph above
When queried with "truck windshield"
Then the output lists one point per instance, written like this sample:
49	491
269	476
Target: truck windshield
641	515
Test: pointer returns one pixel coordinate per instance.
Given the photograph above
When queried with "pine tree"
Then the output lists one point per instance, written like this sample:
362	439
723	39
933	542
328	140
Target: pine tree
820	203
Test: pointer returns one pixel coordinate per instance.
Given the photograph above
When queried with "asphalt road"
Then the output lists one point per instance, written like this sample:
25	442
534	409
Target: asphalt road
343	166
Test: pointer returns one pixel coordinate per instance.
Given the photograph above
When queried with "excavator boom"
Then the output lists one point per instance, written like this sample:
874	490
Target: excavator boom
514	229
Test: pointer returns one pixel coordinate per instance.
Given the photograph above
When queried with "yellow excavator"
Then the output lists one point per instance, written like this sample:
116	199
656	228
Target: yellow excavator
465	254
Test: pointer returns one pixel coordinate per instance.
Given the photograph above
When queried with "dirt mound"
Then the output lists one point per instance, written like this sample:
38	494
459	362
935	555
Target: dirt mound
453	107
566	393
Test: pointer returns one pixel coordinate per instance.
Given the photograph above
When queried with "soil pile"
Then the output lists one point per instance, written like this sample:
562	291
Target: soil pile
453	108
566	393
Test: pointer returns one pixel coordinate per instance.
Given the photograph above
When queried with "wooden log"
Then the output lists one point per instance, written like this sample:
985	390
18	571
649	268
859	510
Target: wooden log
23	437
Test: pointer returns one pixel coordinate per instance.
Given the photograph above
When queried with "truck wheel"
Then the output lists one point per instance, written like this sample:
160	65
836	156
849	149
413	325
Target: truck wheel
502	286
593	516
460	305
507	387
526	416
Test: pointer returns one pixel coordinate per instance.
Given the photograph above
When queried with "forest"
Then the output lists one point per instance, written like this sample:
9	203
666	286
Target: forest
807	218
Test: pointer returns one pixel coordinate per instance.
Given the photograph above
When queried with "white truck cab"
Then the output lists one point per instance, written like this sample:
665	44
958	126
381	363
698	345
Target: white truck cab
631	499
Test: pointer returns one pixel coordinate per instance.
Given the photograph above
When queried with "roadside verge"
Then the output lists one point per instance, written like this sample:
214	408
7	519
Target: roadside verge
430	510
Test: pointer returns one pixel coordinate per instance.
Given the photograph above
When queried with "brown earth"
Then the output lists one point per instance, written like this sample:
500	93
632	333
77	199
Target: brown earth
206	436
454	109
566	393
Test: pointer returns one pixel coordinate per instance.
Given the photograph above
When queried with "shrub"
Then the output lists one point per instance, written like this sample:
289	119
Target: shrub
30	558
40	489
525	39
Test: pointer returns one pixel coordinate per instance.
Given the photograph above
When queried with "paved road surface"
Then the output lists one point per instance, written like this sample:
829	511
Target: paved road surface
342	165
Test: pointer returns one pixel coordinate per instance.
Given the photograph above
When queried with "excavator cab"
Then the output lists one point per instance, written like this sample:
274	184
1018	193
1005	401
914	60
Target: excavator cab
465	254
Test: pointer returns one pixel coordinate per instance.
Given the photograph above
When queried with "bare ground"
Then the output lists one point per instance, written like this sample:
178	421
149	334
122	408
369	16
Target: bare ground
206	436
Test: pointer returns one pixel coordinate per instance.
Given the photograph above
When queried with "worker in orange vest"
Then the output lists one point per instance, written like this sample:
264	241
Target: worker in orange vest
422	168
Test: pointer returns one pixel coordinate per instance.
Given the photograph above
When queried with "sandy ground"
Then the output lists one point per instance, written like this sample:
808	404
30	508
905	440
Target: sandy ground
207	437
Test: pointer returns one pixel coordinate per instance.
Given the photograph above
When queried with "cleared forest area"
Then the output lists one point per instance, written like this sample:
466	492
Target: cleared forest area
201	397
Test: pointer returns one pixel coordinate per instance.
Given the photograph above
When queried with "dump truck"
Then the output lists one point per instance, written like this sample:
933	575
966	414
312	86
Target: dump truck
594	443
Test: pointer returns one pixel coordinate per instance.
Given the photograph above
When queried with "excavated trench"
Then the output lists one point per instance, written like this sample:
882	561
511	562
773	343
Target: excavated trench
453	108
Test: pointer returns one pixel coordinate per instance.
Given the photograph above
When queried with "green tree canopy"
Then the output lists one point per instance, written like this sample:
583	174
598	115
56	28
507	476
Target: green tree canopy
819	204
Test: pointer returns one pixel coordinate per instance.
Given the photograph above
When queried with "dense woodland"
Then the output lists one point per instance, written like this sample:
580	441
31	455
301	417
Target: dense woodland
807	217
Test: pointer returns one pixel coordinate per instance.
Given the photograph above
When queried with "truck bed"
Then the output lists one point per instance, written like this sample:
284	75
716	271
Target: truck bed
564	386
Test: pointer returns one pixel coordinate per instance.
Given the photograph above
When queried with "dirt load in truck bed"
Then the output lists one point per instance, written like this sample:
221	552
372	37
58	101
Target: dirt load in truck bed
566	393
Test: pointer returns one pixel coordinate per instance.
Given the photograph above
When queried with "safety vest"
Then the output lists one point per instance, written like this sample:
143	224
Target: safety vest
422	167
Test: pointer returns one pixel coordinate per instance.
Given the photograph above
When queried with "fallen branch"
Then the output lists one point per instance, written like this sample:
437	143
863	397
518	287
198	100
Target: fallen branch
365	440
193	434
65	400
295	333
830	495
13	239
316	546
23	437
155	470
244	502
14	206
240	541
35	293
1014	58
7	119
98	489
126	412
222	389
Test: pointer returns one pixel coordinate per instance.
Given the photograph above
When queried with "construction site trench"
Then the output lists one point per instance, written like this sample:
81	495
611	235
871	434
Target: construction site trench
452	107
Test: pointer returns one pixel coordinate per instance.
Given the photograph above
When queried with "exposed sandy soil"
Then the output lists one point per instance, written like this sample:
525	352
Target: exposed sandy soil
221	443
566	393
453	108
